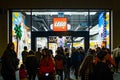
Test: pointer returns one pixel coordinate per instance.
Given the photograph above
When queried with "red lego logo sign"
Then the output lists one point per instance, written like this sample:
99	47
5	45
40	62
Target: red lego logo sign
60	24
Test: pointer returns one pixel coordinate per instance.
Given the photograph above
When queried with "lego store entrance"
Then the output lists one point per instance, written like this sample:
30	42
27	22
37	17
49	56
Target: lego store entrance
53	40
52	28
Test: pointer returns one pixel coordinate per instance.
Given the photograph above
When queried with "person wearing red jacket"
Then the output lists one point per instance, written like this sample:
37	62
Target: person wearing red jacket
22	72
108	57
47	66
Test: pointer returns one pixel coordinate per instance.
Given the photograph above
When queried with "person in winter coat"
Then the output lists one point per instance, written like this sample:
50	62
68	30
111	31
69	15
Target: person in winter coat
101	69
22	72
116	57
76	59
24	54
38	55
9	63
86	68
67	64
31	65
47	66
59	63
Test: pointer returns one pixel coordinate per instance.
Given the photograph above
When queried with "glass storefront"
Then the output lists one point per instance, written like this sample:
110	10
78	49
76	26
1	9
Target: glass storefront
94	21
21	33
100	30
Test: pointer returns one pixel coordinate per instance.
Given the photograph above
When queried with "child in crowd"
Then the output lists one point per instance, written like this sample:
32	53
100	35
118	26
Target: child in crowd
23	72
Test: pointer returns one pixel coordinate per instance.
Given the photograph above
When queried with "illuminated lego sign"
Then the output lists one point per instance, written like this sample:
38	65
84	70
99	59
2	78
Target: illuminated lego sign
60	24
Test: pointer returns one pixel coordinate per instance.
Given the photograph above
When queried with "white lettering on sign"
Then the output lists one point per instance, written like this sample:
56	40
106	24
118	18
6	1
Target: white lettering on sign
59	24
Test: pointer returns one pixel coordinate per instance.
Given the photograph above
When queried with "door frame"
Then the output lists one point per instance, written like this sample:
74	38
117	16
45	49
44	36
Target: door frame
84	34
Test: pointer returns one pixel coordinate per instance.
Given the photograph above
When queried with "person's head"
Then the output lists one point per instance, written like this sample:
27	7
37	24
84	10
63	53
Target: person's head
57	52
25	47
22	66
45	52
31	52
81	48
98	49
102	55
50	51
39	49
92	52
89	50
106	50
11	46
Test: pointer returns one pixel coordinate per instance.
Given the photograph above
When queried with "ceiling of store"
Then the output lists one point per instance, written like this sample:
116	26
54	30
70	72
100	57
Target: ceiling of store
77	19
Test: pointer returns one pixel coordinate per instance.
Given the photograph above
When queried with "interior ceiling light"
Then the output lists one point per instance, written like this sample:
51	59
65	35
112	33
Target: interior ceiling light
93	13
56	13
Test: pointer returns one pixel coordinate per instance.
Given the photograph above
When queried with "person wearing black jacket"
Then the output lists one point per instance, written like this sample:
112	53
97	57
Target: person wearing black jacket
9	63
31	65
101	70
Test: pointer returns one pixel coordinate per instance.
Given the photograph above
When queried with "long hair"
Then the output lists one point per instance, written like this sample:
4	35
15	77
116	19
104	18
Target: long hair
22	66
10	45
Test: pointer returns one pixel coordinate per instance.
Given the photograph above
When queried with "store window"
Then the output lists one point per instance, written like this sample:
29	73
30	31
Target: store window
96	21
21	32
100	29
41	42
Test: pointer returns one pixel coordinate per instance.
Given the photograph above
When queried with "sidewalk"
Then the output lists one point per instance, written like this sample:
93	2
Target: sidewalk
17	76
116	76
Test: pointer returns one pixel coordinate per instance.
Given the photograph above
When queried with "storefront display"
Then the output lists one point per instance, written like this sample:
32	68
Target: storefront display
18	19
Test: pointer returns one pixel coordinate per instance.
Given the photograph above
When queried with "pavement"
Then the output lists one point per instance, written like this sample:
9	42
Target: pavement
115	75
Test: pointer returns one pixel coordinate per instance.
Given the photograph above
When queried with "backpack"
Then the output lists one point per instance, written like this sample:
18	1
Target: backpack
59	63
46	68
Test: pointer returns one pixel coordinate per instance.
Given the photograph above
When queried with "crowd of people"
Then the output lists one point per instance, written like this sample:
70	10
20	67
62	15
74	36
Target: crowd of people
95	64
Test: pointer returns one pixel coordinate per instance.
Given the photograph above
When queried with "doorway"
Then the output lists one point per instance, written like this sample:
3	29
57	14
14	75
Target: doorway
59	41
53	40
